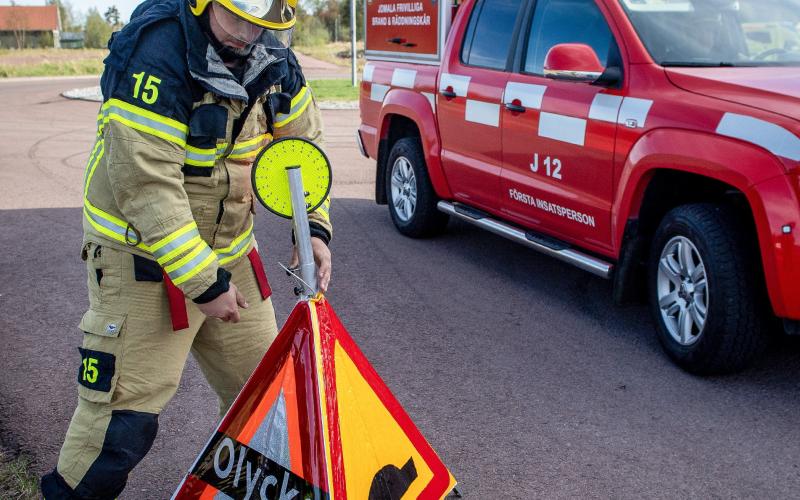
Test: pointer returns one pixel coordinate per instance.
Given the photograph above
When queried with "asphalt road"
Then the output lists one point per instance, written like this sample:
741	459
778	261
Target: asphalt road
517	368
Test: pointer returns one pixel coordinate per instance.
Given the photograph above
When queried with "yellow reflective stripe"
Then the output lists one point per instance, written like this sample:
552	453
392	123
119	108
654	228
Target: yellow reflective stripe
323	212
249	154
255	140
196	240
186	258
204	264
224	259
145	121
237	247
299	104
249	148
200	157
191	264
238	240
109	225
174	235
94	159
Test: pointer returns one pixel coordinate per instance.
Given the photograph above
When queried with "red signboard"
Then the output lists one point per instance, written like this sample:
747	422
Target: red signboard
403	27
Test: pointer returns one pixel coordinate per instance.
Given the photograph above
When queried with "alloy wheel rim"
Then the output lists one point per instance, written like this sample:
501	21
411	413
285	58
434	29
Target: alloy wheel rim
682	289
404	189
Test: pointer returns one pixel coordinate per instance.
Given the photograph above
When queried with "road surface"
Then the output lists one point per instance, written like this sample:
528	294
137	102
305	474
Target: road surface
517	368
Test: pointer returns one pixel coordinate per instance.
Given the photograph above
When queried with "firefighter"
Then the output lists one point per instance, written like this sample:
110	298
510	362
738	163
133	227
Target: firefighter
193	90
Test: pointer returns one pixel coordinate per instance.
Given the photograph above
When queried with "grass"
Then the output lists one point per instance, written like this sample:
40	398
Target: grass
17	482
334	90
61	62
51	62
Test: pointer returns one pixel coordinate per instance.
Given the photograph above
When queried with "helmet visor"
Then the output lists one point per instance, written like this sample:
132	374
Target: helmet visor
240	32
270	14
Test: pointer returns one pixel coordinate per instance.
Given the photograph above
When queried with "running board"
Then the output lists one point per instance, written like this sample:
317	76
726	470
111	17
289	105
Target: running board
544	244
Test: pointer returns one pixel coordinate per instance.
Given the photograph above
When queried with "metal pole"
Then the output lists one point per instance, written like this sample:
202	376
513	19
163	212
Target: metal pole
302	235
353	41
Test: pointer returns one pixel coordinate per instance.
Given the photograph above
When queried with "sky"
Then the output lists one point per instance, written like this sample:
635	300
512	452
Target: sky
80	7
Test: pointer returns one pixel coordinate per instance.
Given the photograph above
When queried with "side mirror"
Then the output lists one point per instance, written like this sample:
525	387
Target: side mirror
575	62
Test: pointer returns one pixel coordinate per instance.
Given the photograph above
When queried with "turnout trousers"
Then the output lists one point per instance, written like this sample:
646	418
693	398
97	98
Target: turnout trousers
132	361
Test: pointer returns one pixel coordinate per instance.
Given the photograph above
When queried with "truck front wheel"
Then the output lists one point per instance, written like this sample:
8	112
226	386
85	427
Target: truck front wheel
705	289
412	200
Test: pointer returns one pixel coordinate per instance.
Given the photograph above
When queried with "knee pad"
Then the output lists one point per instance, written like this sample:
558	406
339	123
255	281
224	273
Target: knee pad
128	438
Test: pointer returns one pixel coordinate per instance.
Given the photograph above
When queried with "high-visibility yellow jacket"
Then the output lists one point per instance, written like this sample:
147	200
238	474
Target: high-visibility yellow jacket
168	177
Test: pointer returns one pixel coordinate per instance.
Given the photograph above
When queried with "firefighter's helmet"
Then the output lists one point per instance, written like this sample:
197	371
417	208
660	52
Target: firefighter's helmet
269	14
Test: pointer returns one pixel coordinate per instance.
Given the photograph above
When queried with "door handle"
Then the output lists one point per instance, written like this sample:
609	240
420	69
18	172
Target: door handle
447	93
516	108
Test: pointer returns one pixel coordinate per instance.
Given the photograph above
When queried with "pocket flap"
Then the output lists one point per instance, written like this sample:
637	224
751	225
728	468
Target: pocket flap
102	323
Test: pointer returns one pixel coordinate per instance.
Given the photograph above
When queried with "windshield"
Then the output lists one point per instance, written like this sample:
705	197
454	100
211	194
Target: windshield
718	32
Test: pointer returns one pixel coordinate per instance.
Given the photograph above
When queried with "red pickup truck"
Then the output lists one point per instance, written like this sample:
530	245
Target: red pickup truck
655	143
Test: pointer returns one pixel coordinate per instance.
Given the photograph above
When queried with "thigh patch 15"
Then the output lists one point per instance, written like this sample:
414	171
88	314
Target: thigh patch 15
97	372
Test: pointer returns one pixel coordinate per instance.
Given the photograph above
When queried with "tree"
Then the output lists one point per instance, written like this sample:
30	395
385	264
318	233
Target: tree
112	17
68	20
98	31
17	23
344	13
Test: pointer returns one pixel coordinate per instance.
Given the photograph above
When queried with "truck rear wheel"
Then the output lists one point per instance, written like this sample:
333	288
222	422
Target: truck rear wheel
412	200
705	291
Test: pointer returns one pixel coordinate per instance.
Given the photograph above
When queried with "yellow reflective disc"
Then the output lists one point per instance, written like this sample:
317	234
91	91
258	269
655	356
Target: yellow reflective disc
271	183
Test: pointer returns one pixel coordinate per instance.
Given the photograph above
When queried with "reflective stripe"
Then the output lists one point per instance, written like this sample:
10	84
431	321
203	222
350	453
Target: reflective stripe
486	113
250	147
324	213
200	157
460	83
404	78
92	164
377	92
774	138
562	128
114	228
176	243
236	248
145	121
299	104
634	109
324	209
191	264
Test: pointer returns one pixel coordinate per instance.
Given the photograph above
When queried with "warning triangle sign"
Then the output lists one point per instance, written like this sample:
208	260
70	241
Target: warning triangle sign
315	421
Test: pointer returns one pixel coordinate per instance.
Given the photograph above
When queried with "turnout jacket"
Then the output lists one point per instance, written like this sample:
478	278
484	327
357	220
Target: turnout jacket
168	178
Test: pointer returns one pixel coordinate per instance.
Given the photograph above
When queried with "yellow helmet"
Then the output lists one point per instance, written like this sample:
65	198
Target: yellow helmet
270	14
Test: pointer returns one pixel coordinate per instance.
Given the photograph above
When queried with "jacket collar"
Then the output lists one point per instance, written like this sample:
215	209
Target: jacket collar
265	67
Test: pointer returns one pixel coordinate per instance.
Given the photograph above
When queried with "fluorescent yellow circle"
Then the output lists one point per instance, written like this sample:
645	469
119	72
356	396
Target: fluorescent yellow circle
271	182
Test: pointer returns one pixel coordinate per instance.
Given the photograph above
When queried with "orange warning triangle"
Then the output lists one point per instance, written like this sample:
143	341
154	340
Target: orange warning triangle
316	421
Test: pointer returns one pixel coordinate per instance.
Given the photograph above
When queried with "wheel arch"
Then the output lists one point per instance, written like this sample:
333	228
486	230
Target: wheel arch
407	113
656	179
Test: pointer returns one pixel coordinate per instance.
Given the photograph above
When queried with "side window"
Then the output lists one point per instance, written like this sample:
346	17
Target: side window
488	37
566	21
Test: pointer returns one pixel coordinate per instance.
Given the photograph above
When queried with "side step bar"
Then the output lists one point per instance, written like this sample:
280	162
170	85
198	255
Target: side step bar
544	244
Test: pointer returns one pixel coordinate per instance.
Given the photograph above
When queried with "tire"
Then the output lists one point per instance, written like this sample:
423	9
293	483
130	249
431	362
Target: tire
710	263
409	193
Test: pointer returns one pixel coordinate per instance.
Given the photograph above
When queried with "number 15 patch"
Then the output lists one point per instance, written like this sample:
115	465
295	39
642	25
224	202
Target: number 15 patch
96	370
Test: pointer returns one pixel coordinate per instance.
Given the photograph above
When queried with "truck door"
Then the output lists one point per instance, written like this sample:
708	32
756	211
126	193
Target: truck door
558	136
471	84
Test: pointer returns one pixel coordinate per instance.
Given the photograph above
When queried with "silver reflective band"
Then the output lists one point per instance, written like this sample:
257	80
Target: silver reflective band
198	259
201	157
227	256
174	244
111	226
147	122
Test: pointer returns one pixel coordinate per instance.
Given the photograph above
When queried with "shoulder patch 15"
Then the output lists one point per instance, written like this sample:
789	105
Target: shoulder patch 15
96	369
